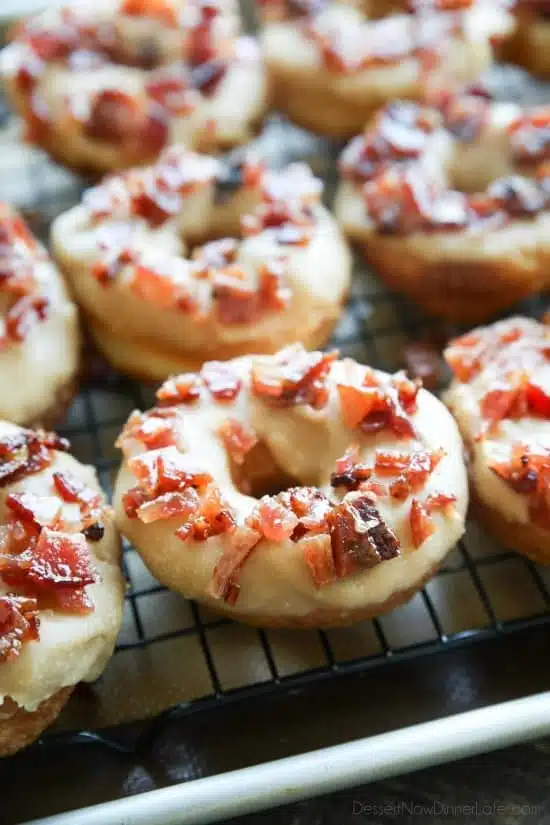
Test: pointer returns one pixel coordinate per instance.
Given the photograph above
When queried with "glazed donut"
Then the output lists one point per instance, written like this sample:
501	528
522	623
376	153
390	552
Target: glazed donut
500	397
153	311
373	487
332	64
106	84
529	45
451	203
39	340
61	587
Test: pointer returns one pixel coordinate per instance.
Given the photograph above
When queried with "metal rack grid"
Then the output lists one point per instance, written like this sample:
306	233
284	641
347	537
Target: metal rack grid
481	592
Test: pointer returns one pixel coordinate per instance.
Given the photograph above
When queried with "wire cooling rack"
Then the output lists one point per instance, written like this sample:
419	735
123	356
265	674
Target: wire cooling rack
174	657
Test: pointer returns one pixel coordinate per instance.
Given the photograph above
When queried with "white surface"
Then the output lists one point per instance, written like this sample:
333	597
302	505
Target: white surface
298	777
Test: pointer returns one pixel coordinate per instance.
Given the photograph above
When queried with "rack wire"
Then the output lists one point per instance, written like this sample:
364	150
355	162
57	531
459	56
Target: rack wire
483	591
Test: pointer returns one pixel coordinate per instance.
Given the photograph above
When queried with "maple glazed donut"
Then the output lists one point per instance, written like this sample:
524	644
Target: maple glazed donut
451	204
500	397
373	483
106	84
39	339
61	587
332	64
529	45
154	310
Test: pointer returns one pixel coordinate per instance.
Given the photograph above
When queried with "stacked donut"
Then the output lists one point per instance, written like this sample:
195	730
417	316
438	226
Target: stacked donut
106	84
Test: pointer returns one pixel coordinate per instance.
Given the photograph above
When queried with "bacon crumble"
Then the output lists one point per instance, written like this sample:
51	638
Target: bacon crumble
293	377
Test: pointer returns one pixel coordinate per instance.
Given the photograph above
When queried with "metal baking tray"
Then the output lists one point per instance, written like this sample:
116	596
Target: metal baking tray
197	718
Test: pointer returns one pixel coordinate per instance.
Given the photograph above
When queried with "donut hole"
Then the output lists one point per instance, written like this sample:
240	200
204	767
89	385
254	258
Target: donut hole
473	167
260	475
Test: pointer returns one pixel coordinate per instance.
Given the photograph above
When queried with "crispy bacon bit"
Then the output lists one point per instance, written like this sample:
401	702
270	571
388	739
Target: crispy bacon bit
171	90
26	452
222	382
160	10
105	270
412	469
421	524
320	560
359	536
215	255
293	376
182	389
161	290
348	472
19	624
40	511
439	501
237	302
373	407
399	134
24	315
464	356
169	505
167	470
530	136
154	429
238	439
116	117
240	544
274	520
55	563
528	473
290	221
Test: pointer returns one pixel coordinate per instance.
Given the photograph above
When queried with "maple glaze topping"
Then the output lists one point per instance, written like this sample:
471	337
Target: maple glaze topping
23	305
401	197
44	558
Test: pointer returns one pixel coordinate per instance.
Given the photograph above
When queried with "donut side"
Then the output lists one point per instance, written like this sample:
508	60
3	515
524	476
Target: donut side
61	585
500	399
39	334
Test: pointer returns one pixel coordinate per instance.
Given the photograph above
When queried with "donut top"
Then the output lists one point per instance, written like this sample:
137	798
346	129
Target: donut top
45	563
285	216
22	302
390	162
185	46
349	42
342	522
503	385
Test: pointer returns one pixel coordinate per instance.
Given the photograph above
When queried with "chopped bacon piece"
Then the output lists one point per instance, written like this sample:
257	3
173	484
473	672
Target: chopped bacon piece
172	91
117	117
169	505
439	501
272	519
40	511
407	391
105	270
26	452
464	357
237	302
24	315
133	499
19	624
318	555
223	383
167	470
182	389
57	560
421	524
73	490
216	254
293	376
160	289
359	536
161	10
152	429
373	409
538	400
214	517
240	544
349	473
238	439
